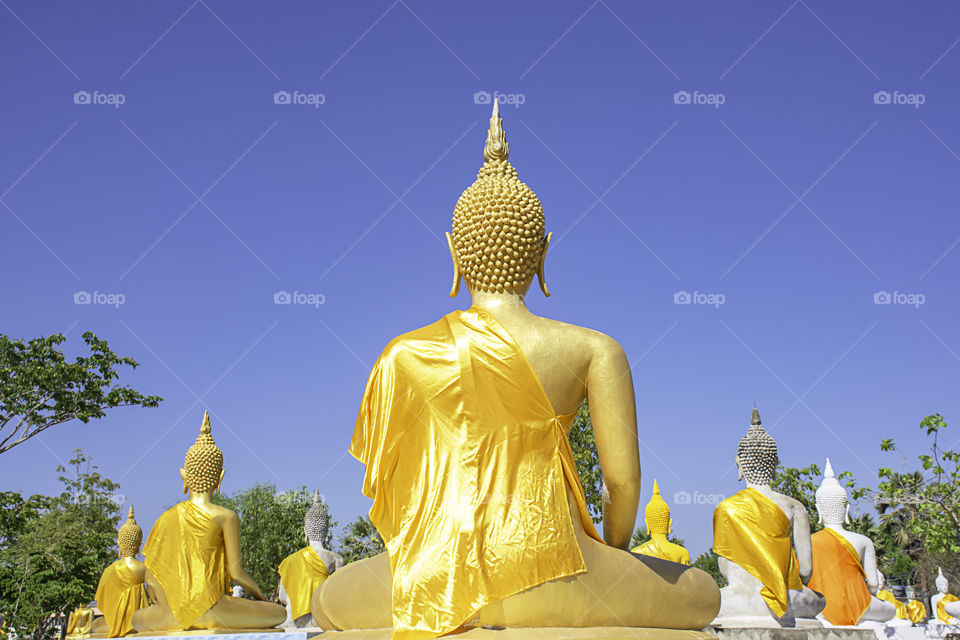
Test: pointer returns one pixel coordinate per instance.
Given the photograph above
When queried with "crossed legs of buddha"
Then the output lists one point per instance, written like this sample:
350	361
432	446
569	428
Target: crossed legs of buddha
619	589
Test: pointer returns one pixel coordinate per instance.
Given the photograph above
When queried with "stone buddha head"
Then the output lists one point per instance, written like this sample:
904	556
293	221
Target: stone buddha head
497	242
831	499
657	513
316	522
911	592
757	456
202	470
941	582
129	537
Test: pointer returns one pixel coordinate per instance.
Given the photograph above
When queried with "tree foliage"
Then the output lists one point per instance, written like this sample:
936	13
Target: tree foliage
271	528
360	540
40	389
710	562
53	549
584	448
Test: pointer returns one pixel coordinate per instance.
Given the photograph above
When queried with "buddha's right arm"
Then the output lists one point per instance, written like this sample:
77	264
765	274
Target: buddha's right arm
801	542
614	416
231	540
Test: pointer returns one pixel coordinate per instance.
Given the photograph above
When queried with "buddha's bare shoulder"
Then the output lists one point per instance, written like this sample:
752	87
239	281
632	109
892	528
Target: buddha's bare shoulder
597	343
791	506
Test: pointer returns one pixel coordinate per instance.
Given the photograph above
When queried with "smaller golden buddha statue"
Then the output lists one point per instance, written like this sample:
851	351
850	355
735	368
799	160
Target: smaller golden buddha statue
303	571
80	622
193	554
657	517
121	589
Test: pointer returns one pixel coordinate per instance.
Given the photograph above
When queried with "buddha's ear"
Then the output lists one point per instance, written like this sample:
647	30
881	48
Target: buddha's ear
846	514
541	278
455	287
220	481
736	459
669	525
183	476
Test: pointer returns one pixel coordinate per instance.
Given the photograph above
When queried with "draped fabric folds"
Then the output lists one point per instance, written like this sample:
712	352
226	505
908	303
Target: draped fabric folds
751	530
942	614
916	611
301	573
838	575
653	548
120	593
186	554
886	596
468	468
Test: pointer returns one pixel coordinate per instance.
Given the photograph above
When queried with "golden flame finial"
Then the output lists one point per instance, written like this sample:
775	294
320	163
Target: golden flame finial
205	427
496	147
130	514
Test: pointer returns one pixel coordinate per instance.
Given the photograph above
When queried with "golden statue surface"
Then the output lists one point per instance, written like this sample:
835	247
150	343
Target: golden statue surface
121	590
193	554
658	521
463	430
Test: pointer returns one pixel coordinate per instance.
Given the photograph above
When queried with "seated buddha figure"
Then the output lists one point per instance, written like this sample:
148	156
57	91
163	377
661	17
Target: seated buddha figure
80	623
844	562
193	554
303	571
657	518
121	590
943	603
902	619
751	534
916	610
463	430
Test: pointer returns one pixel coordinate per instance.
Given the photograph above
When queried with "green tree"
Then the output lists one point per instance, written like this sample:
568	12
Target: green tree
360	540
54	549
40	389
271	528
710	562
584	448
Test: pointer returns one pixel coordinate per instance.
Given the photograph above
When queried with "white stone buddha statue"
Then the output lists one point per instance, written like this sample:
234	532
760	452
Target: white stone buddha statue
844	562
944	606
752	535
902	618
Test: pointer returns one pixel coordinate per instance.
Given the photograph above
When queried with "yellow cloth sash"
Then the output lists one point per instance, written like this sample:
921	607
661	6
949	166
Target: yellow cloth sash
665	552
942	614
917	611
468	467
186	554
751	530
301	573
120	593
886	596
838	575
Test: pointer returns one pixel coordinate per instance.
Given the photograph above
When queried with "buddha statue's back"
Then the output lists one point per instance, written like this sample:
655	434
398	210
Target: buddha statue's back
462	429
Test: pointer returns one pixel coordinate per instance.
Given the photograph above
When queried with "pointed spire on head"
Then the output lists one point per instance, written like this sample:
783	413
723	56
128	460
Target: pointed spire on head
755	417
828	470
130	514
205	426
317	500
656	487
496	148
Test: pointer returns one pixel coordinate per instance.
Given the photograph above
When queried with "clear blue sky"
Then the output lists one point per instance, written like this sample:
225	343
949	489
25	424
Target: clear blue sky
198	198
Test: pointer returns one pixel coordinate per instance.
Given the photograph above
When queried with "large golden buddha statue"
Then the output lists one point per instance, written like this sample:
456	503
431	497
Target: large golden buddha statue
657	519
463	431
193	554
121	591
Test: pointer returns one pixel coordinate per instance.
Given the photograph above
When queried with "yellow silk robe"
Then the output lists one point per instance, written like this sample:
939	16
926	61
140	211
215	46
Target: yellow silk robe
80	622
653	548
186	554
120	593
468	467
942	614
886	596
301	573
917	611
838	575
751	530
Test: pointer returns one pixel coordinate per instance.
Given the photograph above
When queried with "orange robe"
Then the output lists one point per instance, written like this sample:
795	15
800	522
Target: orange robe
752	531
301	573
186	554
120	592
468	467
838	575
